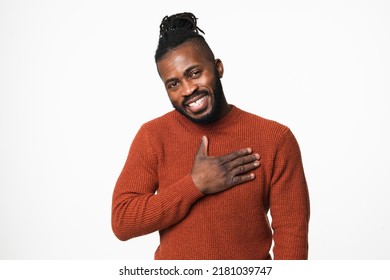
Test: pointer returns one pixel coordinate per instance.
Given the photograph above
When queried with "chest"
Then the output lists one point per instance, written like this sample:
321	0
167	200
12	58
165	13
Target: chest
177	158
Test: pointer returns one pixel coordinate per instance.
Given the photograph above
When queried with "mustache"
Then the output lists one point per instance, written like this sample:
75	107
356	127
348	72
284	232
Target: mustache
194	95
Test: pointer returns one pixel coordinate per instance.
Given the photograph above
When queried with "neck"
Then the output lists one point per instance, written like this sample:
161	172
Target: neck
224	108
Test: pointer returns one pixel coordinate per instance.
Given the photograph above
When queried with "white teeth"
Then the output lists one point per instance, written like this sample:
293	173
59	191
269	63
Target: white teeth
197	102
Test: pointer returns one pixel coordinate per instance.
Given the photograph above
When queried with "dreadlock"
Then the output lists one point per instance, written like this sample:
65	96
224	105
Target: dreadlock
177	29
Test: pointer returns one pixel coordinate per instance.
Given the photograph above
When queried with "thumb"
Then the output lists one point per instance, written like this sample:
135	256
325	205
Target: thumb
203	147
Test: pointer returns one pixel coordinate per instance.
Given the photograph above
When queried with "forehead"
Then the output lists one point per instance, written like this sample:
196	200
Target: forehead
181	58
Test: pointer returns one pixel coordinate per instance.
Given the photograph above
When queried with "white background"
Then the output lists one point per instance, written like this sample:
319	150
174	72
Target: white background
78	78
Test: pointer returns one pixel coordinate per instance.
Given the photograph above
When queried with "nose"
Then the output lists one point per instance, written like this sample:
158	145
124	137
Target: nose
189	88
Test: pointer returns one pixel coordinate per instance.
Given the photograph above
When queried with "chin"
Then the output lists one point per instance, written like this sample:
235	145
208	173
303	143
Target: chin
204	118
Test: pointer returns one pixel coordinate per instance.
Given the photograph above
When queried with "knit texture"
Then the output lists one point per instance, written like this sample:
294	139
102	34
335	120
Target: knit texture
155	191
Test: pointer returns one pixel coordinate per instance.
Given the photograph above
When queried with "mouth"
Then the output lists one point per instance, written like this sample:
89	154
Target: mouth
198	104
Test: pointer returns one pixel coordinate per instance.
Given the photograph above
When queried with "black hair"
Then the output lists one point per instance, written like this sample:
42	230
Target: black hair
177	29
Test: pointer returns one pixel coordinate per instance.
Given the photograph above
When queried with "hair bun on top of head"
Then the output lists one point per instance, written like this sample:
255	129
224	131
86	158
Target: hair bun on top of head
184	21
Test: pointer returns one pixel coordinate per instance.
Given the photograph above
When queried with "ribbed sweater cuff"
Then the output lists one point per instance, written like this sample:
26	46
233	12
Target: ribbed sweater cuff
187	189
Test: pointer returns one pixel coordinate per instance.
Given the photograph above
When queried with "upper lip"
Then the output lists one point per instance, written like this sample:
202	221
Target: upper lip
195	98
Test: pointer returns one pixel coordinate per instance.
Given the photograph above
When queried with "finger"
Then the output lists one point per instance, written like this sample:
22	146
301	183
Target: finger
235	155
203	147
241	161
239	179
242	169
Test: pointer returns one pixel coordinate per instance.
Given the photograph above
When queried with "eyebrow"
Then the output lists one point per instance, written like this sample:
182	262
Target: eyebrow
186	72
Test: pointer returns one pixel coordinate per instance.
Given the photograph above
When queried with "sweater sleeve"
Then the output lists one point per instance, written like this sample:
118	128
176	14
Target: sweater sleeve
289	201
136	207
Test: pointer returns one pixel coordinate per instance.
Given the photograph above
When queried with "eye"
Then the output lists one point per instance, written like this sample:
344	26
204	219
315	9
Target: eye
195	74
172	85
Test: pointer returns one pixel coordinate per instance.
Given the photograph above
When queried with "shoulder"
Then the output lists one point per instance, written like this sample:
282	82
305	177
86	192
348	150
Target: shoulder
268	126
153	131
160	122
275	136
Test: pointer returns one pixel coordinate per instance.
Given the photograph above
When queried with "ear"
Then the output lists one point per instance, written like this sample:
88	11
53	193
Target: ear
219	66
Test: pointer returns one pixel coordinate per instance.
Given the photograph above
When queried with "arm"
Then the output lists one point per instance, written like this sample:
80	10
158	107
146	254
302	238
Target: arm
289	201
136	209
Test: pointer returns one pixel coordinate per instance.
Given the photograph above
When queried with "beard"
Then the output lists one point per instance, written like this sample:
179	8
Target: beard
213	115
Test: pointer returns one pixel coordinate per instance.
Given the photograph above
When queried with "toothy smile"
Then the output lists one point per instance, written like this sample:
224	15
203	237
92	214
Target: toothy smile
197	103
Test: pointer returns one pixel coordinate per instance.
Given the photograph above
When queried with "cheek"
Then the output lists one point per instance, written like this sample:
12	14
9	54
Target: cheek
174	98
208	82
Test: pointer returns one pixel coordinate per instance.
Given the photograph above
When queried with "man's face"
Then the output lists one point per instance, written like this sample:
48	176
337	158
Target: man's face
193	83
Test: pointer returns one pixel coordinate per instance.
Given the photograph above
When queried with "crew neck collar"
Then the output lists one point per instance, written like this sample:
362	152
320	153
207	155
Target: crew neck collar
229	119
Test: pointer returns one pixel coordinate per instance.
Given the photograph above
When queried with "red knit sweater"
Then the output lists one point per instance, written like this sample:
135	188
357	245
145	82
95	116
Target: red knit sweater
155	191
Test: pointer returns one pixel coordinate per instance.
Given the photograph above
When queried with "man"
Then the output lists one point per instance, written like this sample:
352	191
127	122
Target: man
206	174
